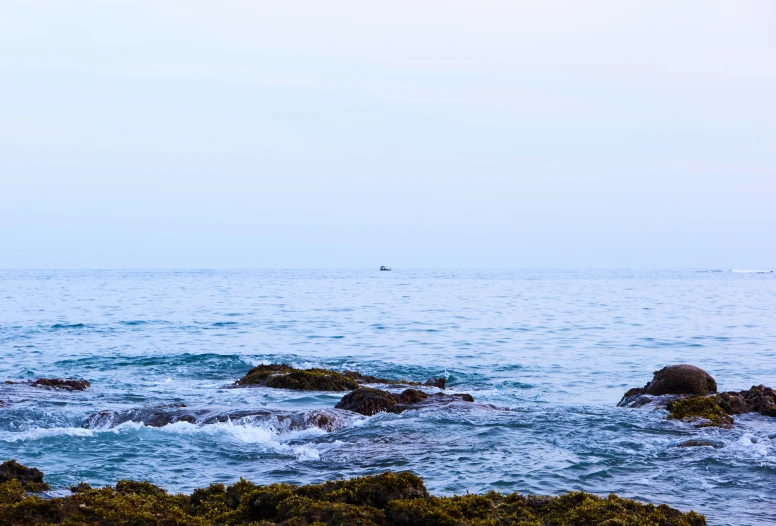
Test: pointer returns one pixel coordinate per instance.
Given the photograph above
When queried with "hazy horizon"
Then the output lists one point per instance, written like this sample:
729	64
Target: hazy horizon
193	135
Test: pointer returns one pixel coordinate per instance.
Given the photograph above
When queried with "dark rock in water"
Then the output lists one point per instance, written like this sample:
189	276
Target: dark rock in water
680	379
283	376
698	443
158	416
80	487
31	479
757	399
439	382
65	384
366	379
163	415
388	499
368	401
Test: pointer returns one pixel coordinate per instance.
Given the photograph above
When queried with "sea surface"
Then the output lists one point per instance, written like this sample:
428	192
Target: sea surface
546	354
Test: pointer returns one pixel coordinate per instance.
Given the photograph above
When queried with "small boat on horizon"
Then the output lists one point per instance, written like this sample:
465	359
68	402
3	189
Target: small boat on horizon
384	268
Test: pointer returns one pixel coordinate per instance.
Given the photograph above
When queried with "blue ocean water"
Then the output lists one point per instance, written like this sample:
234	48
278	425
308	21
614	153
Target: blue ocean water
546	354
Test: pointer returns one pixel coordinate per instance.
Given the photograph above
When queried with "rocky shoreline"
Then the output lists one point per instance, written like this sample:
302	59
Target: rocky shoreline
388	499
687	392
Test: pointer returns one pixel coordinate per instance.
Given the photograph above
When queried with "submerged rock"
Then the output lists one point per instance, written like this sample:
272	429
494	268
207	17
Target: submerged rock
369	401
65	384
31	479
163	415
698	443
283	376
388	499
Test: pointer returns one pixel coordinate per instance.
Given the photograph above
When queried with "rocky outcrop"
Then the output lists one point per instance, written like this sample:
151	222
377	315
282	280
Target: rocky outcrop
682	379
283	376
690	394
65	384
368	401
31	479
388	499
163	415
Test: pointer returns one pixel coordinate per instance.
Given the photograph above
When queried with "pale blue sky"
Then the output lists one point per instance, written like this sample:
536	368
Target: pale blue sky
245	133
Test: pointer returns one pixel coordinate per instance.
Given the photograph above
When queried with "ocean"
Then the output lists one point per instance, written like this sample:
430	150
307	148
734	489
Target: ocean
546	354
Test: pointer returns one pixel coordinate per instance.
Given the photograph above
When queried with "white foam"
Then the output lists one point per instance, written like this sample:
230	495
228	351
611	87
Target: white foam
39	433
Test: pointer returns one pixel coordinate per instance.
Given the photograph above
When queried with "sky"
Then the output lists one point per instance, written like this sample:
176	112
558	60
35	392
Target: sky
353	134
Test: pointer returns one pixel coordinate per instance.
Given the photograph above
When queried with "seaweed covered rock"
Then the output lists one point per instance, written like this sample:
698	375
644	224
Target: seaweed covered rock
64	384
705	409
389	499
31	479
283	376
682	379
718	410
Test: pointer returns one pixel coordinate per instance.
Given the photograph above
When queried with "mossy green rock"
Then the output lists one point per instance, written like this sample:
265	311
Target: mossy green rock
283	376
389	499
31	479
702	408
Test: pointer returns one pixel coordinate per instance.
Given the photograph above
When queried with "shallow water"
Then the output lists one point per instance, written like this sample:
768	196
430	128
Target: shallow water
546	354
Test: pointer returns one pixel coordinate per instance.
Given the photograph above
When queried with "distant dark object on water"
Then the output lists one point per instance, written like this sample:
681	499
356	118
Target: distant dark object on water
385	269
67	384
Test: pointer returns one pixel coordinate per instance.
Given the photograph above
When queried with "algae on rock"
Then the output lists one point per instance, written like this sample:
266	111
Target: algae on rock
283	376
388	499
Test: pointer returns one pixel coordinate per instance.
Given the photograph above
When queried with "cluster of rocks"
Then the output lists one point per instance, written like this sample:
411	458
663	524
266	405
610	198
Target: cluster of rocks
362	400
387	499
690	393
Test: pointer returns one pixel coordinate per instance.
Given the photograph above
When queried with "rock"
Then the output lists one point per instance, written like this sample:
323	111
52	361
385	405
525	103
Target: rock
701	408
368	401
757	399
698	443
163	415
31	479
439	382
680	379
80	487
284	376
65	384
388	499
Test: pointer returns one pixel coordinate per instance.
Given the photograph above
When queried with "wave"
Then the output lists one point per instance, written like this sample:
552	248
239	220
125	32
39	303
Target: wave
275	441
751	271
